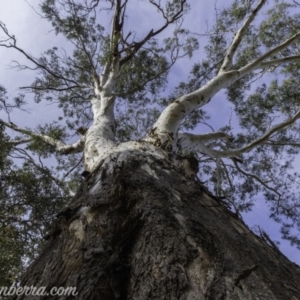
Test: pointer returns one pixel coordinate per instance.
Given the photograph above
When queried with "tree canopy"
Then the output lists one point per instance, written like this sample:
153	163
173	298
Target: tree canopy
249	58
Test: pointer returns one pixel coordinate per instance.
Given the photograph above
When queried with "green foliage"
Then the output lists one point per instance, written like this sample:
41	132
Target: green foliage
42	148
258	103
30	196
32	193
7	106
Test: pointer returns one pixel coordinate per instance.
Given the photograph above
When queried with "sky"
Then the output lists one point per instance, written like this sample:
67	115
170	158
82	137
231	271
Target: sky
35	35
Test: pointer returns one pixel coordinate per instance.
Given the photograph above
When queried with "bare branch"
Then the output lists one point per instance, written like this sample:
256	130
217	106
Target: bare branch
39	88
227	175
135	47
255	177
114	72
218	169
269	133
87	53
274	143
11	42
171	118
73	168
238	38
144	83
115	35
41	167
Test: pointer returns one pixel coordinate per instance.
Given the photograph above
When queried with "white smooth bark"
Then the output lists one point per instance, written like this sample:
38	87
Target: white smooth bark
99	140
165	129
279	61
100	137
207	136
261	61
227	63
194	143
170	119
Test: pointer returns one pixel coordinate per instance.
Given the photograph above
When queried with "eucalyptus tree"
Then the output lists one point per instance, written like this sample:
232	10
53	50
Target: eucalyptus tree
30	197
143	225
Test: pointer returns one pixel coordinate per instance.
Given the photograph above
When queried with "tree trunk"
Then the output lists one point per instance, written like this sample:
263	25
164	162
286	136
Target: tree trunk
139	228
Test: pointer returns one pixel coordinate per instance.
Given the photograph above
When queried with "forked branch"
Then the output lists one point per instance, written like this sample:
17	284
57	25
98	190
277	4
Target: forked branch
136	46
171	118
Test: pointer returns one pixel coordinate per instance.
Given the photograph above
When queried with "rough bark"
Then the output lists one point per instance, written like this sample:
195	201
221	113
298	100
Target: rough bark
140	228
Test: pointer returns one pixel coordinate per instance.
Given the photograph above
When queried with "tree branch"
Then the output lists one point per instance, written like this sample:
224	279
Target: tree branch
255	177
200	138
39	88
191	143
258	63
27	157
135	47
111	80
59	146
20	141
12	43
279	61
171	118
238	38
274	143
115	35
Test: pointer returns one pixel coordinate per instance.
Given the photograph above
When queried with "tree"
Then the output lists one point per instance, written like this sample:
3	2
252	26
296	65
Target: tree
23	188
142	225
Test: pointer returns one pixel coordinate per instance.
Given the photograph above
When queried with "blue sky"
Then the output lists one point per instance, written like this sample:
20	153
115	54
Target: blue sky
35	35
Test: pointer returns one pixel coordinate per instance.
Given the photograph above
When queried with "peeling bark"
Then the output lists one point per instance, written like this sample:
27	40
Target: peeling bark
139	228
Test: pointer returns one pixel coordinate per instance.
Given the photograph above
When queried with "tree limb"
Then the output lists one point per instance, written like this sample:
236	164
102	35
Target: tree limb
255	177
258	63
205	137
59	146
20	141
26	156
171	118
274	143
135	47
279	61
12	43
227	63
115	35
192	143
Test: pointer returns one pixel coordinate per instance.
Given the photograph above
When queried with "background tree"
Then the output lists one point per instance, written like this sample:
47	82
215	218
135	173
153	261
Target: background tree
27	202
124	72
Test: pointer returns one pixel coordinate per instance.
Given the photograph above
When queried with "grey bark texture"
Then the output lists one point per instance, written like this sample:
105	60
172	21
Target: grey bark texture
139	228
